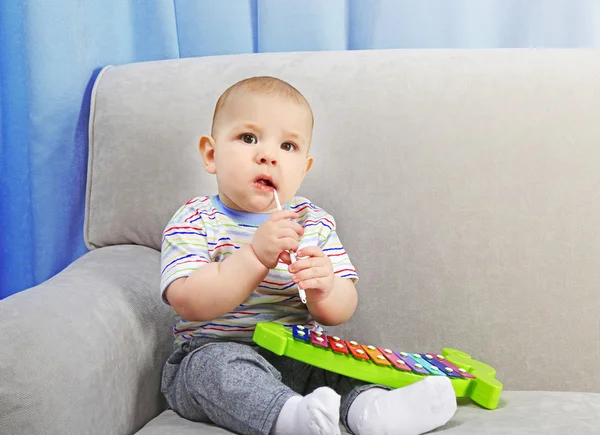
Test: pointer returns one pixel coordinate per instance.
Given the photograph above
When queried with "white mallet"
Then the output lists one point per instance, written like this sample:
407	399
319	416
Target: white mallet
301	292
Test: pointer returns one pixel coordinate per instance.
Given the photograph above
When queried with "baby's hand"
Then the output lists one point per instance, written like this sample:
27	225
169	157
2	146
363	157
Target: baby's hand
276	235
313	274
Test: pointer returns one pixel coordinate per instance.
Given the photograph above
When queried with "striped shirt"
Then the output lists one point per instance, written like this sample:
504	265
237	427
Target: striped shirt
204	230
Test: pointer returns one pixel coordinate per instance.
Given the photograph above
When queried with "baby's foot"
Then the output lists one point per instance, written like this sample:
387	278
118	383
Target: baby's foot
412	410
315	414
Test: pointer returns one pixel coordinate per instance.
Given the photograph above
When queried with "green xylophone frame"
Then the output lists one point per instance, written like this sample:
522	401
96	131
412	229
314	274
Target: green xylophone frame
484	390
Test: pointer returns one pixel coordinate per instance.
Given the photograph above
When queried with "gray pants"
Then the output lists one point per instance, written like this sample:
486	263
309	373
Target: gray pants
242	387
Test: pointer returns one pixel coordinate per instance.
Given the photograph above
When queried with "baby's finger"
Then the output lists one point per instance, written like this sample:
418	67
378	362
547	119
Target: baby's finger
311	273
288	244
285	257
315	283
301	264
311	251
283	214
307	262
295	226
282	233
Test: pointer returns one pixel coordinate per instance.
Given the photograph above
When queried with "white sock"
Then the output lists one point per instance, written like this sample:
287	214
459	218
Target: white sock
412	410
315	414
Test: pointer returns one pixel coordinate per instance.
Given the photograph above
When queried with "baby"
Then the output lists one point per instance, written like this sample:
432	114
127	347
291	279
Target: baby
226	266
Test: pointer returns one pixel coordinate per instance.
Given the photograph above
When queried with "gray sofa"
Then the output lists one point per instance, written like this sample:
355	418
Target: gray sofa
466	187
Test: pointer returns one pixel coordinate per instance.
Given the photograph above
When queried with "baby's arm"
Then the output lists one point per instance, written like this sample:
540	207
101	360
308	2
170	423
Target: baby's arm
217	288
338	306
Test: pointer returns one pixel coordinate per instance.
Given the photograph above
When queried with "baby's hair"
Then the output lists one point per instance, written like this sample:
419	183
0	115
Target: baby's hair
261	84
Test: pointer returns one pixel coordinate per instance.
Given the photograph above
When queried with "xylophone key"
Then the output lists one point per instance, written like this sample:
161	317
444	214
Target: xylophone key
337	344
376	356
393	358
356	350
300	332
417	368
462	372
440	365
430	368
318	339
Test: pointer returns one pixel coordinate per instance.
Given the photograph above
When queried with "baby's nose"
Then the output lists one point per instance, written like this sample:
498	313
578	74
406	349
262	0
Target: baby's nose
267	156
270	160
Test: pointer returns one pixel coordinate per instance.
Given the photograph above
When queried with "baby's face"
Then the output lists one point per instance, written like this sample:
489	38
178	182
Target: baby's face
261	144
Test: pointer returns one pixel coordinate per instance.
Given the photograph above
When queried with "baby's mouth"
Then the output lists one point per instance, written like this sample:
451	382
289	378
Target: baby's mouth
265	181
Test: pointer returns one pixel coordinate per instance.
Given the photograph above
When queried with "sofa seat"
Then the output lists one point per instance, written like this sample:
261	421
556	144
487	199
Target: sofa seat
519	412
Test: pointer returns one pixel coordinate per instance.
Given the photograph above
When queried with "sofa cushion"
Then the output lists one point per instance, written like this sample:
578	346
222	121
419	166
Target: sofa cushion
520	412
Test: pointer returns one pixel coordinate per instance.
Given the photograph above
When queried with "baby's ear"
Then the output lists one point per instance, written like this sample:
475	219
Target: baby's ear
308	164
207	149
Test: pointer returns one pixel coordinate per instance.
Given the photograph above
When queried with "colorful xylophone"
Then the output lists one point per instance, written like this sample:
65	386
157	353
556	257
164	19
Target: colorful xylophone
469	377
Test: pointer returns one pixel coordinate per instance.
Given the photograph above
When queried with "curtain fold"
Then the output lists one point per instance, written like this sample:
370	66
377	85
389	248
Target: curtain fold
50	53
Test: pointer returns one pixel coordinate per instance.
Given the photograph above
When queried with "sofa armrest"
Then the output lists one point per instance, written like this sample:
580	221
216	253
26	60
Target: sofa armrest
83	352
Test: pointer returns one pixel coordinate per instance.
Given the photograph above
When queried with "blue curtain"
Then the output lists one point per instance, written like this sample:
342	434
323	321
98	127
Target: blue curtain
51	51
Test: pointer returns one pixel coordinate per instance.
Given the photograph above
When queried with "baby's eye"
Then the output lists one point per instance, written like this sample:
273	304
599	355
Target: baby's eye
248	138
288	146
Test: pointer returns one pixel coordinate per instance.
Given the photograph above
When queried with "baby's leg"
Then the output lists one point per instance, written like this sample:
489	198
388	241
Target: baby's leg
228	384
233	386
318	412
412	410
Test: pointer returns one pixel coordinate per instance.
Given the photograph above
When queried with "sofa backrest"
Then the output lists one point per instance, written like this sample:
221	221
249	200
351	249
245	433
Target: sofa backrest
465	185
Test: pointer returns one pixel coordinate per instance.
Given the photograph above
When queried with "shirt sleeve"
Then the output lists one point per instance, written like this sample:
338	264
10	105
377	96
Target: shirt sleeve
342	266
184	247
323	234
